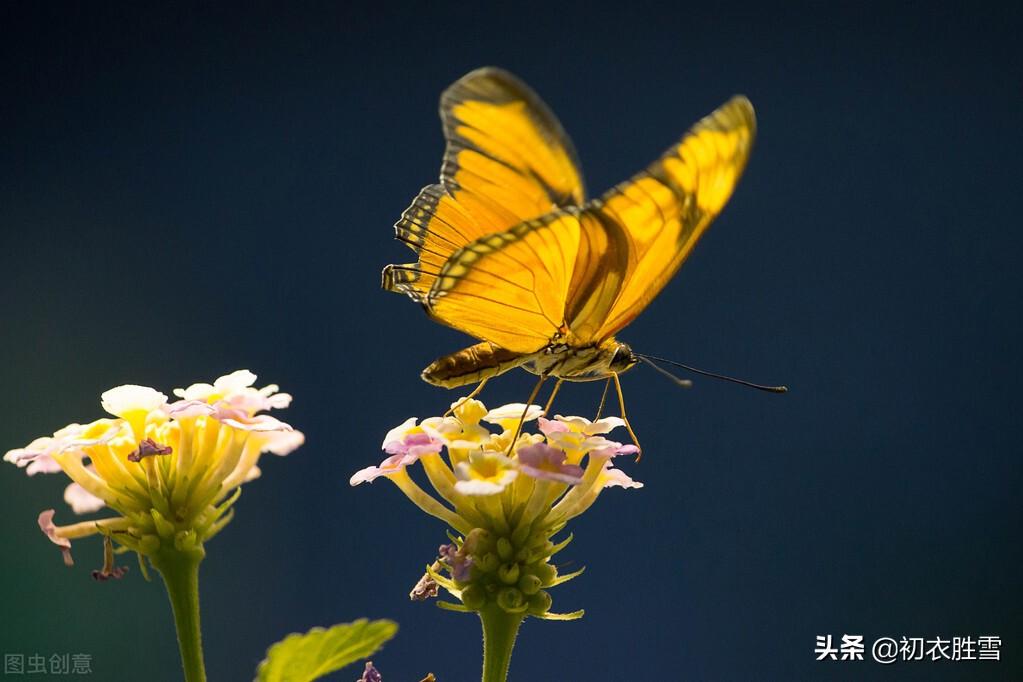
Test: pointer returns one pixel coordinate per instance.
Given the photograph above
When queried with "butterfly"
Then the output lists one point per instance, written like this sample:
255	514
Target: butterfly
511	252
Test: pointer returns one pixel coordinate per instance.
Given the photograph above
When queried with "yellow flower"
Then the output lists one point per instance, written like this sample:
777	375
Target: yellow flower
171	470
506	500
486	473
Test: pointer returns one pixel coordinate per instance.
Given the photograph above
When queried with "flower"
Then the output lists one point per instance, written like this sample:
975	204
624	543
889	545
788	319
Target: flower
546	462
486	473
172	470
507	499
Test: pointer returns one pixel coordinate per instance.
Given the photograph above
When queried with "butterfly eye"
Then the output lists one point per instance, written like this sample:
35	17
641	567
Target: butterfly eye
622	358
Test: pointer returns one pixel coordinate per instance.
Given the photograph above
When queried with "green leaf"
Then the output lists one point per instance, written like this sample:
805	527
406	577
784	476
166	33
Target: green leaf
304	657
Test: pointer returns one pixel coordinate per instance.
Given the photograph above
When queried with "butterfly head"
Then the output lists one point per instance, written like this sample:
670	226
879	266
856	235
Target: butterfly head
622	358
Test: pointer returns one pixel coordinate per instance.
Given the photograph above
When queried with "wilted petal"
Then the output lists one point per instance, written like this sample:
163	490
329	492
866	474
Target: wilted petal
457	560
149	448
50	530
370	674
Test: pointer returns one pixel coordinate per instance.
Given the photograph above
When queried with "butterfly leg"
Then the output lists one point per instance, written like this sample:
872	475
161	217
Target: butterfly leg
475	392
550	401
525	410
621	405
603	397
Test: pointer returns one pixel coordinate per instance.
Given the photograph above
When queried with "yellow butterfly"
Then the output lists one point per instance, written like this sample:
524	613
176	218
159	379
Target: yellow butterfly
512	253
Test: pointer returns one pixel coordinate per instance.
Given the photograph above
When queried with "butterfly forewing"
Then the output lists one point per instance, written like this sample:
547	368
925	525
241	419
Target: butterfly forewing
507	160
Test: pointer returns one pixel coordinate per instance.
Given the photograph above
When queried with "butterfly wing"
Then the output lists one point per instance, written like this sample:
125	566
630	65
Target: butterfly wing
657	217
510	288
577	276
507	160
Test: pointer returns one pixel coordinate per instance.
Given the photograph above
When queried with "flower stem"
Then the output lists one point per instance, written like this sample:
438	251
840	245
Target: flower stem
180	573
499	631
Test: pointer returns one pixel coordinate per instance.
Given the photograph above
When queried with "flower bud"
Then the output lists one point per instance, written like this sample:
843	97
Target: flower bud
505	550
546	573
540	603
488	562
474	596
511	600
529	584
508	573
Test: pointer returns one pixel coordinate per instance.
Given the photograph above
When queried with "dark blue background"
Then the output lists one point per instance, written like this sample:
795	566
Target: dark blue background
189	190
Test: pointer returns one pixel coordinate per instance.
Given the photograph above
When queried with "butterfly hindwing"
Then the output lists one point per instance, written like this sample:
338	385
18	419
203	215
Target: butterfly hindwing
507	160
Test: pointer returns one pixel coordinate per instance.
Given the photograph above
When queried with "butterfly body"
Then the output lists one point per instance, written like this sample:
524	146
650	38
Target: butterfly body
511	252
484	360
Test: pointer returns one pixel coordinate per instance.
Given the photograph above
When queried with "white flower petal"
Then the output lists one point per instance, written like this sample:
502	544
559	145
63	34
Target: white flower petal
284	442
235	381
130	398
81	500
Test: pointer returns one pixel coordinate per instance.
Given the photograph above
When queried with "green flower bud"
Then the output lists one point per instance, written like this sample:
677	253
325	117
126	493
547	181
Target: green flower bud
508	573
540	603
474	597
478	541
487	563
511	600
529	584
505	550
546	573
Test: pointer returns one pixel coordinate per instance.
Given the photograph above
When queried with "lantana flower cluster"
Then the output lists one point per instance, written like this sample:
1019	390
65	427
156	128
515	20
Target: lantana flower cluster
506	501
172	470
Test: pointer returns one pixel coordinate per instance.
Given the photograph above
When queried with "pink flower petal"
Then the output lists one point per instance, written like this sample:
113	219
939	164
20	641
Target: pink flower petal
549	426
541	461
391	465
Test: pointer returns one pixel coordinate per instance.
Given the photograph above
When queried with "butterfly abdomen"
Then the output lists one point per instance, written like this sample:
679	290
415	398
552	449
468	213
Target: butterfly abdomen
472	365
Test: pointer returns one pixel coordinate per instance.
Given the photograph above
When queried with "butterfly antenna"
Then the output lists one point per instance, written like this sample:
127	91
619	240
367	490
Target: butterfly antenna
650	359
684	383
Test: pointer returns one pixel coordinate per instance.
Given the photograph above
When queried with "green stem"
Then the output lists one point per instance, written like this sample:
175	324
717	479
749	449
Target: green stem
180	573
499	631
